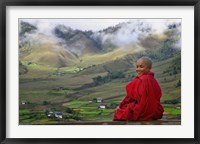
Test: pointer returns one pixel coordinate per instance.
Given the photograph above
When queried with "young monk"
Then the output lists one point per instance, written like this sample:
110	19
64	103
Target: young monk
142	101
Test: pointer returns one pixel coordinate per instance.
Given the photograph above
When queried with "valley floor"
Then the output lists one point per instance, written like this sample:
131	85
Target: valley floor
70	95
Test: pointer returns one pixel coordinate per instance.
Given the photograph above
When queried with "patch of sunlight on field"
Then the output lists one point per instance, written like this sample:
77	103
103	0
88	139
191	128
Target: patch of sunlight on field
71	69
173	111
108	110
97	114
36	66
172	105
89	112
77	104
90	108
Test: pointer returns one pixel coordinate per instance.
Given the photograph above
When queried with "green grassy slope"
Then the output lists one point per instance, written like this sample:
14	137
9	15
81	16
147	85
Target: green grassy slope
47	88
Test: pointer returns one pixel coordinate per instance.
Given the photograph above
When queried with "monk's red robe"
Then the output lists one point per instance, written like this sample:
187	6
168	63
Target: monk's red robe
142	101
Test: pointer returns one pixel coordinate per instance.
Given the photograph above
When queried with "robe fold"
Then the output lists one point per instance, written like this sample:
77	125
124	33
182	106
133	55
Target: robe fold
142	101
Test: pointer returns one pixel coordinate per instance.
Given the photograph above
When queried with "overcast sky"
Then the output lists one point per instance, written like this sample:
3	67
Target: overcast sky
94	24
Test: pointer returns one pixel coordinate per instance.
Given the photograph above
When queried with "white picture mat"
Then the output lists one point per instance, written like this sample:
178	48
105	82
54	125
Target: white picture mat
185	130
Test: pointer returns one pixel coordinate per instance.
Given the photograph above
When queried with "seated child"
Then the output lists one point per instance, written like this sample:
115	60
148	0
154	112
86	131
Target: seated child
142	101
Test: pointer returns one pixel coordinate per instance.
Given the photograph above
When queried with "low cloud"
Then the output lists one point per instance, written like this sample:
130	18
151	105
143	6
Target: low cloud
128	32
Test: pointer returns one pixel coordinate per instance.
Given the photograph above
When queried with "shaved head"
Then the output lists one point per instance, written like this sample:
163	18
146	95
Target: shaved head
146	60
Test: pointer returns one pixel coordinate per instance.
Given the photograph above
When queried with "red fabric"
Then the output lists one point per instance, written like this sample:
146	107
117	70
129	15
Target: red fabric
142	101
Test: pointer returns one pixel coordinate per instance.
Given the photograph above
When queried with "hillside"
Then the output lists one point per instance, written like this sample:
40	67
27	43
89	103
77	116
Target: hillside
49	89
44	50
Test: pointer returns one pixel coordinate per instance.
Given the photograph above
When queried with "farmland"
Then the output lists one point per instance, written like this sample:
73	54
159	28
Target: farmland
71	91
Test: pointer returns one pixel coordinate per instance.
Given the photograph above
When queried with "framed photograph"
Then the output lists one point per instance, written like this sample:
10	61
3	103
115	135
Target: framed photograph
99	71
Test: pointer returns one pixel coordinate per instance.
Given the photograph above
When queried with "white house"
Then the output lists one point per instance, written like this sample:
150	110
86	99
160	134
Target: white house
24	102
103	106
50	114
55	114
99	100
58	115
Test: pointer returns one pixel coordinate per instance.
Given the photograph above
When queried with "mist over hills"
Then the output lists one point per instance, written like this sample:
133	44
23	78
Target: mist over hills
62	46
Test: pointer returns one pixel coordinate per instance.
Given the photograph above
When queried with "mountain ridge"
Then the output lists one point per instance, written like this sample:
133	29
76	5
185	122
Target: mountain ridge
73	45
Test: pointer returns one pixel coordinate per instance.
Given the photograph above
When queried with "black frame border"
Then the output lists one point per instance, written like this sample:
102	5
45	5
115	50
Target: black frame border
5	3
